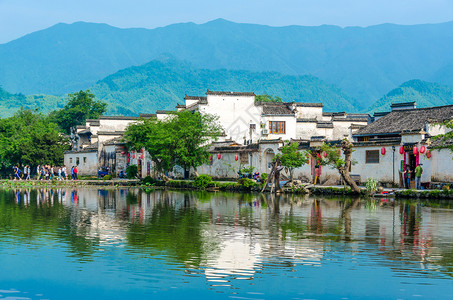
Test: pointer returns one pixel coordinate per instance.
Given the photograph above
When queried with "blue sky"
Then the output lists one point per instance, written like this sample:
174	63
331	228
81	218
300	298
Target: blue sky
19	17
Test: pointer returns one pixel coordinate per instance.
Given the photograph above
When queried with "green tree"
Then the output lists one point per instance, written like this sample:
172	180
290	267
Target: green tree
181	139
31	138
445	140
292	158
336	160
267	98
80	106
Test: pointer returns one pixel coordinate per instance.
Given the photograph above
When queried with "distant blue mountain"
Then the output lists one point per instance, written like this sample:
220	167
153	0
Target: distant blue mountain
364	62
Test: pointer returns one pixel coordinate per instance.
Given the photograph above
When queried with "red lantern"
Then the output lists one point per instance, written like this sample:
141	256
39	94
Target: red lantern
401	150
210	157
428	154
219	156
128	155
324	153
133	156
415	150
123	153
236	157
383	150
128	160
141	156
422	149
318	155
141	150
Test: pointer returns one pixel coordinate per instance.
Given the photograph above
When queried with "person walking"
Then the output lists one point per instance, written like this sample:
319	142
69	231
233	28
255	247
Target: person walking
72	172
316	174
27	172
407	177
75	172
38	172
16	173
418	176
52	173
59	173
64	173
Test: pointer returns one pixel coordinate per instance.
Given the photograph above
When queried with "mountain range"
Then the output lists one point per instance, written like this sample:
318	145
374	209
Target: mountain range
365	63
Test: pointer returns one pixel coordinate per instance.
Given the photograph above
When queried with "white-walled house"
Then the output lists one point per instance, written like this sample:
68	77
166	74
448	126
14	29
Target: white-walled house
253	133
386	145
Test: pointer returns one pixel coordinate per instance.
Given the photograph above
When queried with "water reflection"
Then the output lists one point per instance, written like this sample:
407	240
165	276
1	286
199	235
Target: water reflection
228	239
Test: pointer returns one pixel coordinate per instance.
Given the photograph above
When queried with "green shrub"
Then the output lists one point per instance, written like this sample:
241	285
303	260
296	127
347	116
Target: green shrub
203	181
131	171
371	185
247	183
107	177
263	177
148	180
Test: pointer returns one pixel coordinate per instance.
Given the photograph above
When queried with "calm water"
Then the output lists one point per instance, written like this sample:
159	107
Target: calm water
128	244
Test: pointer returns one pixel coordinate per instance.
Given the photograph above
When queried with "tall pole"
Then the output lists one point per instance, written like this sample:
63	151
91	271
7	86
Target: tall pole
393	164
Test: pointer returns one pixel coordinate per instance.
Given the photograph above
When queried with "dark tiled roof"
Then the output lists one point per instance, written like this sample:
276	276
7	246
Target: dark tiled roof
110	132
324	124
117	118
93	122
350	119
194	97
307	120
276	109
219	93
441	143
317	138
180	106
93	146
147	116
403	104
163	112
381	114
115	141
407	120
301	104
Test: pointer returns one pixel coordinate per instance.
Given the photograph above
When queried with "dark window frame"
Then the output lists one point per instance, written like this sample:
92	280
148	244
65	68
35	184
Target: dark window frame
277	127
372	156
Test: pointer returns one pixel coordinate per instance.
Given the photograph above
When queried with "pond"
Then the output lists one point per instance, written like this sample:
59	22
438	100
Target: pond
133	244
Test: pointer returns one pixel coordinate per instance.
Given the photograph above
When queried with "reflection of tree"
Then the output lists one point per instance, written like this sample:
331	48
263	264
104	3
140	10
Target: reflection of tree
45	217
173	230
349	205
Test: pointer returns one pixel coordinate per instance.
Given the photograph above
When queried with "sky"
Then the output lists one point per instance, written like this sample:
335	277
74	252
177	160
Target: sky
20	17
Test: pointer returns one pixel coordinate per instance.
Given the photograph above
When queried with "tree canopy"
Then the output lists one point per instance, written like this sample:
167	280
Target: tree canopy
267	98
445	140
80	106
291	158
31	138
180	139
331	155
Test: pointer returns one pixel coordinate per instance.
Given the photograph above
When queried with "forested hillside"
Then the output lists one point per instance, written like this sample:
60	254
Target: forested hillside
161	84
424	93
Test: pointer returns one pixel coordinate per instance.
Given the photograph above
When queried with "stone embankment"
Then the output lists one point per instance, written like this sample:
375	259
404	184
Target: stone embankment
239	186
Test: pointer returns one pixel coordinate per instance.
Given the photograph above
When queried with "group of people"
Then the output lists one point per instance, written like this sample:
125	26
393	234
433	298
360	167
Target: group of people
417	175
45	173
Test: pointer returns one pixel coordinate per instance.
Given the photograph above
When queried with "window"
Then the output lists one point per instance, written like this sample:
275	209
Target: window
70	160
77	160
84	160
244	158
277	127
372	156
